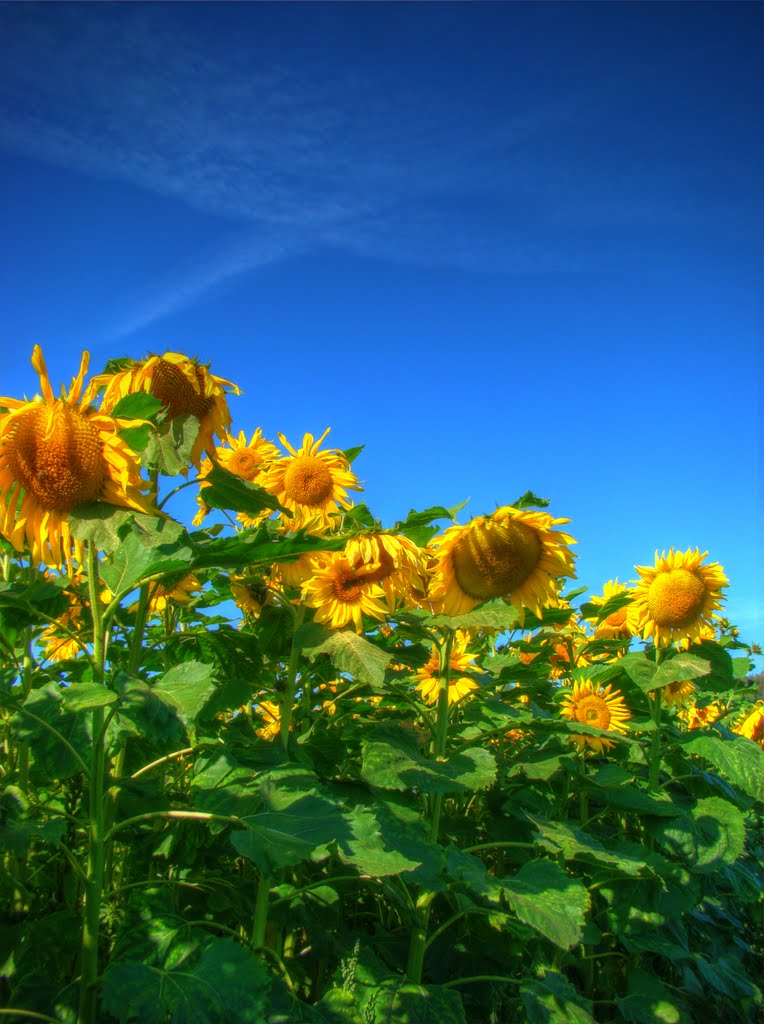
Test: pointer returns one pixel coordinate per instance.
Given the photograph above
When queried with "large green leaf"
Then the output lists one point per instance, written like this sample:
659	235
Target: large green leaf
168	450
393	762
151	546
650	1002
29	604
18	829
679	668
372	853
544	897
551	999
494	615
348	652
84	696
639	669
558	837
300	832
708	837
737	758
52	758
187	687
226	490
417	526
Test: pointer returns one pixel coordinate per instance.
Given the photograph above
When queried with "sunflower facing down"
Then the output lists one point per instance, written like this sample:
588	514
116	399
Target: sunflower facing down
394	562
752	725
312	484
459	685
512	553
57	454
675	598
243	458
183	386
592	704
340	594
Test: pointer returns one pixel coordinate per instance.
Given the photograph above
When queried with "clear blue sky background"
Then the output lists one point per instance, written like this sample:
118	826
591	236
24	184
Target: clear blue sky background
506	246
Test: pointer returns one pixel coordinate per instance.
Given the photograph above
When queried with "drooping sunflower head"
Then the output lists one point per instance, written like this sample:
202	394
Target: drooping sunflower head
393	561
243	458
678	693
618	624
700	717
459	684
602	707
184	386
677	596
340	594
512	553
751	725
57	454
311	483
177	590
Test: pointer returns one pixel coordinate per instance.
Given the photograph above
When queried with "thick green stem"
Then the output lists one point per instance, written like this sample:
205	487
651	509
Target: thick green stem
91	918
260	919
418	942
287	699
654	770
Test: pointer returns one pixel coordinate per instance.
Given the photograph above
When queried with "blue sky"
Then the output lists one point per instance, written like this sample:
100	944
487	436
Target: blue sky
506	246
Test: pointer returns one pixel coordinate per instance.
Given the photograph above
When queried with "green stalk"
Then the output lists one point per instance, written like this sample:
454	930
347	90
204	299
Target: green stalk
418	943
91	918
260	919
287	699
654	768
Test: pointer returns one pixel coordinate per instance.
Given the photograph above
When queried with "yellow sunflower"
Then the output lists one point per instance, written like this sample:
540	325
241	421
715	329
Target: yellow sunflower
57	454
183	386
246	459
249	592
617	625
459	685
678	693
512	553
270	713
592	704
394	562
179	592
676	597
312	484
340	594
62	640
752	725
698	718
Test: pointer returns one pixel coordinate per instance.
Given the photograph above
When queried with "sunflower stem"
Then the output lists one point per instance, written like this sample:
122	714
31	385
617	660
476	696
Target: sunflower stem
654	770
91	919
287	699
260	919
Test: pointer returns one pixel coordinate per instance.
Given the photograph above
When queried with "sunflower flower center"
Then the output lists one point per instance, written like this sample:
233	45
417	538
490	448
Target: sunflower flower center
55	453
493	559
676	598
244	463
308	480
616	619
176	392
347	587
593	710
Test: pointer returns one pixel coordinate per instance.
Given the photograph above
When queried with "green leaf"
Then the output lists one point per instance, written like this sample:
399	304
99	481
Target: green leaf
18	830
52	759
30	604
530	500
282	838
709	836
394	763
348	652
639	669
152	546
83	696
396	1001
727	976
228	984
138	406
737	758
351	454
169	448
544	897
599	612
417	526
187	687
551	999
226	490
144	712
560	838
649	1001
370	852
679	668
496	614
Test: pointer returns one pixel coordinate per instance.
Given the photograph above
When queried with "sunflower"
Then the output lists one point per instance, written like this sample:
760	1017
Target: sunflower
699	717
459	685
57	454
243	458
752	725
180	592
512	553
567	652
340	594
62	639
678	693
249	592
312	484
394	562
676	597
592	704
270	712
617	625
184	387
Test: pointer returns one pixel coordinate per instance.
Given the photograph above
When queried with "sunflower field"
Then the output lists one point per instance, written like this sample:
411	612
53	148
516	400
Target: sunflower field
285	765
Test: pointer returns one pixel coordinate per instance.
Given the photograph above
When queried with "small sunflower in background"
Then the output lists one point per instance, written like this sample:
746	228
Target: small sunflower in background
173	592
270	714
341	594
57	454
678	693
459	685
243	458
184	386
600	706
512	553
617	625
751	725
696	717
676	598
311	483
